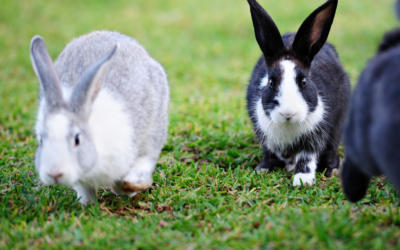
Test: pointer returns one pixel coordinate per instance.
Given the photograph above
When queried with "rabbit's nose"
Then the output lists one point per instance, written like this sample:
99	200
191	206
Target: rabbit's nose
55	176
287	114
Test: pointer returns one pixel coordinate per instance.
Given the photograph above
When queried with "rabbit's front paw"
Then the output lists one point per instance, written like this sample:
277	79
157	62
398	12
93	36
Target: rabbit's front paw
86	194
140	176
308	178
141	185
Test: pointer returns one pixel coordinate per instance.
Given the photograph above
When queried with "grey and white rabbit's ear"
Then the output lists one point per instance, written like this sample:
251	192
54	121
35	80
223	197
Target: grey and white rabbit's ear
314	31
46	73
89	85
267	34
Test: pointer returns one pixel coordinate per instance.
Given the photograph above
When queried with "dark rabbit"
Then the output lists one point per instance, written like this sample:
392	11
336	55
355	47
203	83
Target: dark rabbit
298	95
372	131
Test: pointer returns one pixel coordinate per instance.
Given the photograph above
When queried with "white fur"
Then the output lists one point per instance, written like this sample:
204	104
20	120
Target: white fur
57	127
142	171
280	136
308	178
54	161
290	167
280	131
140	175
87	194
264	81
111	134
291	102
39	126
66	91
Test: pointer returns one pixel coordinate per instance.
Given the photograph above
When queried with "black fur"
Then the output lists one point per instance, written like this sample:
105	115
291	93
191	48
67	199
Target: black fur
303	44
318	62
267	34
301	166
390	40
372	131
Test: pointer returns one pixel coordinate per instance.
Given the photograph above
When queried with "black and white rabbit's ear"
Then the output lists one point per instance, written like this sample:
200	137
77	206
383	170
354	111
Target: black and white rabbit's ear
267	34
314	31
89	85
46	73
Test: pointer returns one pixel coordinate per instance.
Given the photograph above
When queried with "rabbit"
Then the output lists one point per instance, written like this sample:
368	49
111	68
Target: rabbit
298	95
372	129
103	114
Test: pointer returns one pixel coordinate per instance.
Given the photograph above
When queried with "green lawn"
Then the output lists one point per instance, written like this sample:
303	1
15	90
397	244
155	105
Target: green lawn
206	194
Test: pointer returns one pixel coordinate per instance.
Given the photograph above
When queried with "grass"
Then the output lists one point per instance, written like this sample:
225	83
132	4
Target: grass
206	194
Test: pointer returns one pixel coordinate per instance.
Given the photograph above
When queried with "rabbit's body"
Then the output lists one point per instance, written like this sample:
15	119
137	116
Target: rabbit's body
126	125
298	95
372	131
317	134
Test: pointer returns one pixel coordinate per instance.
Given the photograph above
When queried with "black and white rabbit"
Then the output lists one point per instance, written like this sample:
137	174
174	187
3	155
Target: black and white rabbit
372	130
298	95
103	114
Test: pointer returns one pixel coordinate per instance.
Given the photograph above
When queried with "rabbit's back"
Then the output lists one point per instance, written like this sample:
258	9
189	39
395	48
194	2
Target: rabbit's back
132	71
374	107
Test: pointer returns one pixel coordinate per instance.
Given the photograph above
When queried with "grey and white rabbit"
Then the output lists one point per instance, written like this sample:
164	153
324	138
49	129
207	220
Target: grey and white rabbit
298	95
372	131
103	114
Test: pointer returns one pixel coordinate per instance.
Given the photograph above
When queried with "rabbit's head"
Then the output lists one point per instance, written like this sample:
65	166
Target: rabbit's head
287	93
66	152
391	39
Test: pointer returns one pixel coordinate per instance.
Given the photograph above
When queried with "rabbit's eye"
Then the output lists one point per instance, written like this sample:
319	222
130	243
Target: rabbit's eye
271	83
77	140
303	82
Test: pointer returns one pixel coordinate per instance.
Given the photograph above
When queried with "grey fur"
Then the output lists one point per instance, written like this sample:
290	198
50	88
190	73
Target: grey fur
44	69
88	65
86	83
150	87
